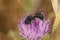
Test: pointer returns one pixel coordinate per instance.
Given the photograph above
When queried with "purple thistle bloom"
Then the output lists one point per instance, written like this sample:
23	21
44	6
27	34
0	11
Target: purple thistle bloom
35	30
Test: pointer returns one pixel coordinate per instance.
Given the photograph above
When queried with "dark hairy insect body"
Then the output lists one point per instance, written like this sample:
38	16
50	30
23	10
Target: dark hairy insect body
30	17
39	15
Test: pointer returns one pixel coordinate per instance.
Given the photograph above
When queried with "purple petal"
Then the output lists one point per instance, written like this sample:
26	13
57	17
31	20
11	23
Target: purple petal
37	29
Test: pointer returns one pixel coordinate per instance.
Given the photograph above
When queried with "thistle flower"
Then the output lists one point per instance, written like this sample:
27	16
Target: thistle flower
34	30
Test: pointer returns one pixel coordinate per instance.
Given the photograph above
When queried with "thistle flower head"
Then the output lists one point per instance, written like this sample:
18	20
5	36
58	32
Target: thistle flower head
35	30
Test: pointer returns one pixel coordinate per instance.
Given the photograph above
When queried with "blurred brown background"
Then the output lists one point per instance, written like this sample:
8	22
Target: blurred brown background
10	12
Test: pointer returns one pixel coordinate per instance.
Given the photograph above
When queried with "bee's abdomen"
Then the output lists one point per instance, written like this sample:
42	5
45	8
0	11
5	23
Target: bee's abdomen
39	15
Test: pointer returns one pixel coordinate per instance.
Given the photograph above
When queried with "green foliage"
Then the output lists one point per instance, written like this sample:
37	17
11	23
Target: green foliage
27	5
20	38
46	37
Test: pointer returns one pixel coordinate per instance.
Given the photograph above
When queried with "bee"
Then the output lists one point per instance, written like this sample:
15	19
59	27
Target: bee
39	15
29	19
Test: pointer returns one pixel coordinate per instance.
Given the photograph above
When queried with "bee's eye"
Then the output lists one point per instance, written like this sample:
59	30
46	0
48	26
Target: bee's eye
29	19
39	15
